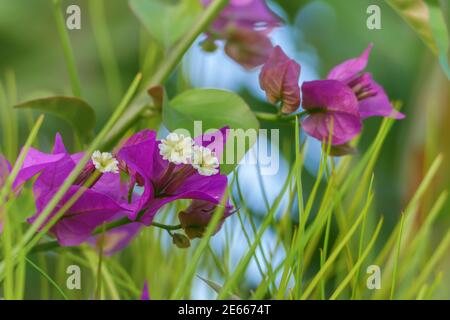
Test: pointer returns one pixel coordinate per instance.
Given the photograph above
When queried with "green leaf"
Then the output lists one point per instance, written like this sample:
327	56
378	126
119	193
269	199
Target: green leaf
428	20
215	109
415	13
75	111
166	22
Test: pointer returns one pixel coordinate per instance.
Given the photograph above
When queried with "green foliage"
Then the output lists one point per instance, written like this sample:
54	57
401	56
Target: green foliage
325	247
427	20
165	21
79	114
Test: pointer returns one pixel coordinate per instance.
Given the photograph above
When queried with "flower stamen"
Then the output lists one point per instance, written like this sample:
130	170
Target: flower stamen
176	148
105	162
205	161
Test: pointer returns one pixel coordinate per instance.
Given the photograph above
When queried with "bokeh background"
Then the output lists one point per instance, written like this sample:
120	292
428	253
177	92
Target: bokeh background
318	34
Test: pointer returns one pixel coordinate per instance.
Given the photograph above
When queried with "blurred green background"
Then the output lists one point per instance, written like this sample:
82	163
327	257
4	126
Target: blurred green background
328	31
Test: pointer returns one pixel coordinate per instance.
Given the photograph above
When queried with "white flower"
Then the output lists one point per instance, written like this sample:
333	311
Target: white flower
176	148
205	161
105	162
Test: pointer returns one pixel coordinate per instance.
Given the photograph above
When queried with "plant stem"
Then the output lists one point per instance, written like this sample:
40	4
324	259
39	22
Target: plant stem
32	236
166	227
67	48
265	116
170	63
50	245
211	12
98	291
105	50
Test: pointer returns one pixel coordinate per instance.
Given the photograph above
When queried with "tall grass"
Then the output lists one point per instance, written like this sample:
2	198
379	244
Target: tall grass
317	264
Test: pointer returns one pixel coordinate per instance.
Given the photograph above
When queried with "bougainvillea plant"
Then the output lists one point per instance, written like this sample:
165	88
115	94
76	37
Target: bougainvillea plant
170	160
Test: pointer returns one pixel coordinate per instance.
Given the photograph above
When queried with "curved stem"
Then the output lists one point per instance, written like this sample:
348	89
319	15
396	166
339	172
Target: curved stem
211	12
265	116
166	227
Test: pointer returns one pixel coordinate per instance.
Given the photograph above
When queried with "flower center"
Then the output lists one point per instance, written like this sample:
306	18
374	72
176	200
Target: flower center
173	178
176	148
362	86
105	162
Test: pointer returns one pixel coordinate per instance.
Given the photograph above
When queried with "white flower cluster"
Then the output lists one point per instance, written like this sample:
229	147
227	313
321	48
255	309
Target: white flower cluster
105	162
178	149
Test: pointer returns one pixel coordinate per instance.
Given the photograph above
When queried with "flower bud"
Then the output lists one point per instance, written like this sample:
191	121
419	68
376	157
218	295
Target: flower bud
196	218
181	241
279	79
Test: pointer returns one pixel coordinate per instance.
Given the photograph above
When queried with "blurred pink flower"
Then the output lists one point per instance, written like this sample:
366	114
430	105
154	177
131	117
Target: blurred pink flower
145	295
244	25
196	217
245	14
248	48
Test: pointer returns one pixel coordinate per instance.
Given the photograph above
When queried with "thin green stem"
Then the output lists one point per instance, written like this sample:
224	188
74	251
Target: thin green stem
397	257
98	291
46	276
105	49
163	73
50	245
30	237
265	116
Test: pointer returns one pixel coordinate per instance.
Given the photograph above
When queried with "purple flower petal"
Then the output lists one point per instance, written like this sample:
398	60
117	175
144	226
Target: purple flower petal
350	68
35	161
248	14
279	79
333	106
378	105
117	239
53	176
198	187
137	153
91	210
5	169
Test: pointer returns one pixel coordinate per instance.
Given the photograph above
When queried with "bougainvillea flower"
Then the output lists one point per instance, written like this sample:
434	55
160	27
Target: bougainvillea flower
332	107
136	158
178	169
195	219
5	169
373	100
247	14
279	79
90	211
248	48
35	162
